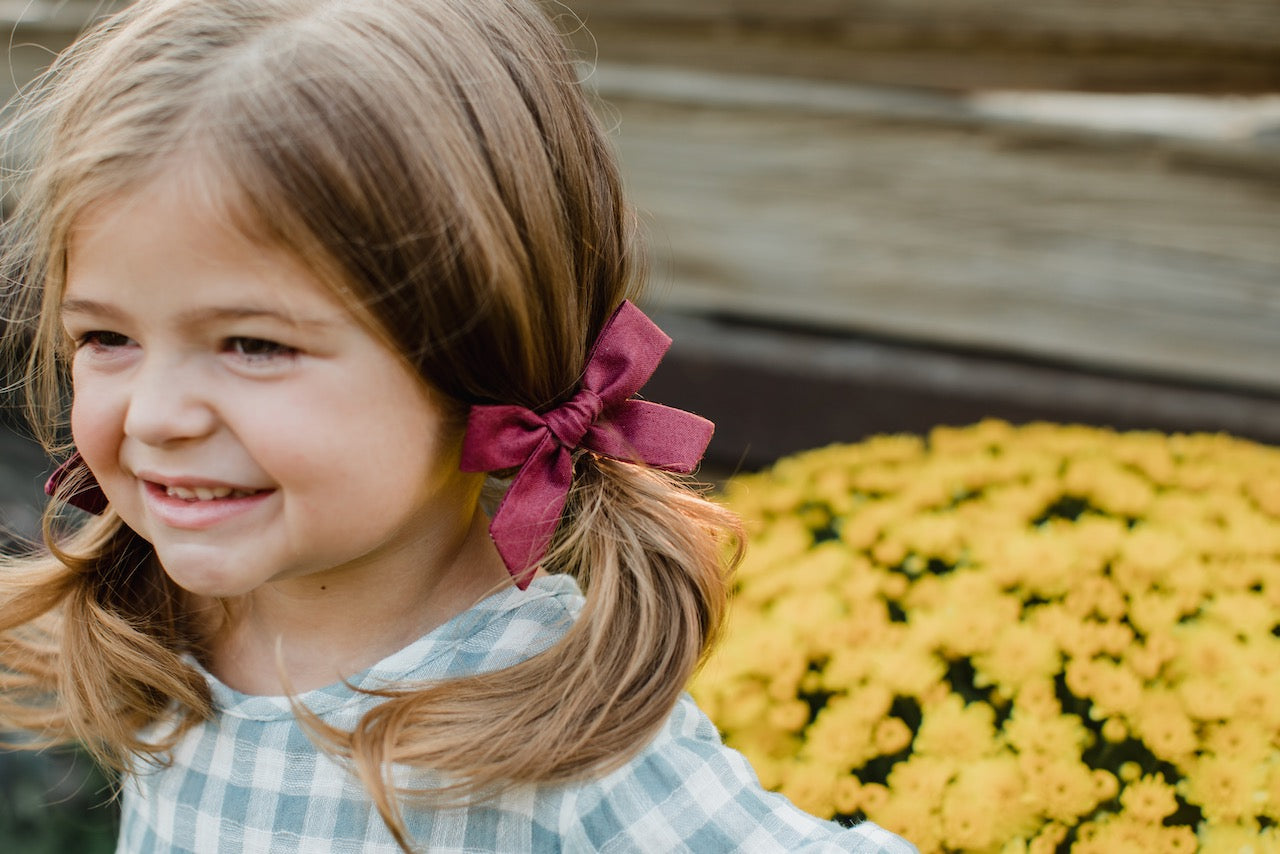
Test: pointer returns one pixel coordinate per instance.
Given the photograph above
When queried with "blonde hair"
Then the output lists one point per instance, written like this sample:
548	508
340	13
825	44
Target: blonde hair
437	164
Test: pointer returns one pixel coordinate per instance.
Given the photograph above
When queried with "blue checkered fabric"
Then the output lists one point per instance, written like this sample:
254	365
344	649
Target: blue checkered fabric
249	780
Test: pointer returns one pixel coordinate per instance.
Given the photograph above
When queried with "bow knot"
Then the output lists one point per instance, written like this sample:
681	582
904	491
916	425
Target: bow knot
602	418
570	421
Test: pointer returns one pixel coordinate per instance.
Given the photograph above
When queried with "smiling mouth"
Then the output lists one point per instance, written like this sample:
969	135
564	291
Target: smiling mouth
207	493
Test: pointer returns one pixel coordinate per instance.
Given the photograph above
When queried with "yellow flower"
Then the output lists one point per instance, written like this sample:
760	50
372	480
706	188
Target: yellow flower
1147	658
1208	698
1046	565
846	796
1063	789
972	615
1206	649
908	669
1226	790
952	729
864	528
1057	736
912	818
874	797
790	716
1048	839
1020	654
1150	799
967	822
1125	835
1096	596
1116	690
841	731
1216	838
1038	699
1177	840
1108	486
1105	785
811	787
996	786
1114	730
1163	726
1148	553
1153	612
1265	492
922	779
1244	612
1239	739
891	735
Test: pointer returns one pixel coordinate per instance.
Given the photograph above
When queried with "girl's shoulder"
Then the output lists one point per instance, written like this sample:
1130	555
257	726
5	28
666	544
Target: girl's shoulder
499	631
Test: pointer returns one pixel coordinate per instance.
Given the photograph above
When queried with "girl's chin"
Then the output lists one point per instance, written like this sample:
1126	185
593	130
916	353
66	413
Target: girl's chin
205	581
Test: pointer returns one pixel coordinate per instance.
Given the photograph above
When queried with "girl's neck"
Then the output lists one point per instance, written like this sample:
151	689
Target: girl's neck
301	634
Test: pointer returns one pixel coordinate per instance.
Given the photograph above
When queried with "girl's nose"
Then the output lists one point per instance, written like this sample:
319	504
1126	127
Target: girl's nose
167	404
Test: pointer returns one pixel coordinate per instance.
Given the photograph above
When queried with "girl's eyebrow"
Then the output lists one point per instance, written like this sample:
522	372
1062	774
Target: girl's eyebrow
195	317
88	306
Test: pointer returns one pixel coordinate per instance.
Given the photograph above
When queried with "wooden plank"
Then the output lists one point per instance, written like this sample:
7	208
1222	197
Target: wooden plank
1068	24
1095	45
1061	24
1109	251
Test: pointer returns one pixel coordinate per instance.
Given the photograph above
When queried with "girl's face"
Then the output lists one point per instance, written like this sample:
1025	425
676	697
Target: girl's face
237	415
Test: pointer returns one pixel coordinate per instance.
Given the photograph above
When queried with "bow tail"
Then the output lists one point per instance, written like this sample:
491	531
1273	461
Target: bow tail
81	488
527	517
659	436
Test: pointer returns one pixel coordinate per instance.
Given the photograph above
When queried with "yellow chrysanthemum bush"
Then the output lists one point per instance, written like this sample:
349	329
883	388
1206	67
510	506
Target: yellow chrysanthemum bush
1014	639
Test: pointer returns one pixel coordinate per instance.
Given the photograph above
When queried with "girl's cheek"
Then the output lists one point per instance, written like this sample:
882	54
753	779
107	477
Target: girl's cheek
96	420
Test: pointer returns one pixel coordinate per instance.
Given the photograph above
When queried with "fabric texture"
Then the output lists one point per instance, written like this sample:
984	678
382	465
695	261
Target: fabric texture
248	780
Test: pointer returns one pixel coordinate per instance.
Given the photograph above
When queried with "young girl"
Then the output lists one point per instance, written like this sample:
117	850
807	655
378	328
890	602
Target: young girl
313	269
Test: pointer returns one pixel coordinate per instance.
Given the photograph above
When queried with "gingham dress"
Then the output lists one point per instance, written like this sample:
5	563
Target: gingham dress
249	780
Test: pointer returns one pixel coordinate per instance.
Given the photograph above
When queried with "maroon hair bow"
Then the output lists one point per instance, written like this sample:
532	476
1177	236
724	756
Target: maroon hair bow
86	494
601	418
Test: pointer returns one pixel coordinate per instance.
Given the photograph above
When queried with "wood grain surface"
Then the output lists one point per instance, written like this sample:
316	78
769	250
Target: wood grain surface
1132	45
1121	252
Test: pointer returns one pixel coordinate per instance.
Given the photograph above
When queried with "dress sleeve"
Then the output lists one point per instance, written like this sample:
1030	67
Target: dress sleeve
687	791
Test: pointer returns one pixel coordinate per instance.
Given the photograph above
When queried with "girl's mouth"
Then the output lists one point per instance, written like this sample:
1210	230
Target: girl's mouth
199	507
207	493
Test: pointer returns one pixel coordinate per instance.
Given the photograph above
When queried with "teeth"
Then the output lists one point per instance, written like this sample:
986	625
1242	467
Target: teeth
205	493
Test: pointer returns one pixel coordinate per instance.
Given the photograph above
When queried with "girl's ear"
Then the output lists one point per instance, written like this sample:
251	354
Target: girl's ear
74	483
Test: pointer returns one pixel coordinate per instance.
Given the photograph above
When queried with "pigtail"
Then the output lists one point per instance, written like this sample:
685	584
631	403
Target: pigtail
653	558
90	641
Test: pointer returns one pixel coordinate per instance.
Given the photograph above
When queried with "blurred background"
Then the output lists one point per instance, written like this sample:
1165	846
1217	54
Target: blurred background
882	215
875	216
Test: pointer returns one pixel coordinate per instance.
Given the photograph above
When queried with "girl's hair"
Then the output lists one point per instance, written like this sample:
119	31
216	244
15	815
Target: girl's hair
437	165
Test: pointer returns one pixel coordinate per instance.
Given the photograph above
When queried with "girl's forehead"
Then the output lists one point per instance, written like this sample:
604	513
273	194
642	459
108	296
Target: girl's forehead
192	217
170	230
189	186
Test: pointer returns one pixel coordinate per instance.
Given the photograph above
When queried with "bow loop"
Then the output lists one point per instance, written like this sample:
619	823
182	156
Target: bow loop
601	418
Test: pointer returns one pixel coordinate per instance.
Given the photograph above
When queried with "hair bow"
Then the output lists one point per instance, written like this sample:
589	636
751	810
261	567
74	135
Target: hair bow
85	494
601	418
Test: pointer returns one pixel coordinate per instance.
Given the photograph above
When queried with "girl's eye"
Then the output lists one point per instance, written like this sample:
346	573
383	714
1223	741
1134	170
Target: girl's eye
258	349
103	339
